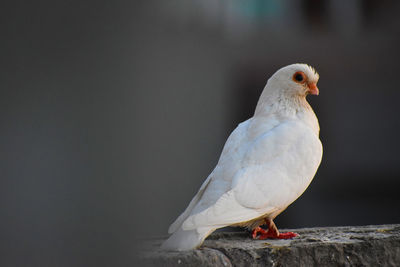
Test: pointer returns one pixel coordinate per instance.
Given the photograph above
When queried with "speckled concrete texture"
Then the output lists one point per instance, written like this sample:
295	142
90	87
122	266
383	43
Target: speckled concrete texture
328	246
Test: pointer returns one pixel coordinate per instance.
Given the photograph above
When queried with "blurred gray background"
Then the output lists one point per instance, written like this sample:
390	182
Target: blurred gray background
114	112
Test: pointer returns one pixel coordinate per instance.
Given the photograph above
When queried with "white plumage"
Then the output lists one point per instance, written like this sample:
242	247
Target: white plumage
267	163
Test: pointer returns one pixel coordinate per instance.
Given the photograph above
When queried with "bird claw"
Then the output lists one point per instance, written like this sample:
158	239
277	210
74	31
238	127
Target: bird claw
287	235
256	231
261	234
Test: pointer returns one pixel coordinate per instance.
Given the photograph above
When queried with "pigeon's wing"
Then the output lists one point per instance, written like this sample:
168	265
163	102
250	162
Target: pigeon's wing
228	156
267	180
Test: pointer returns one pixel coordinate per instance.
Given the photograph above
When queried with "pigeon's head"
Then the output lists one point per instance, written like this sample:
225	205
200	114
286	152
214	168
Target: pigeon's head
296	80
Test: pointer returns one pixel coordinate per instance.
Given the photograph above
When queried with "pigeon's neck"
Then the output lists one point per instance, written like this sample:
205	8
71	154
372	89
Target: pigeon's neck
280	103
284	108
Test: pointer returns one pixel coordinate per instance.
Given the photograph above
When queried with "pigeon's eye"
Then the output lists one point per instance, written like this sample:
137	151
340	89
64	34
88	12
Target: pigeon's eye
299	77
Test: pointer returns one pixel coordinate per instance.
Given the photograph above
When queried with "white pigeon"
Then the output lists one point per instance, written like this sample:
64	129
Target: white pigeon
267	163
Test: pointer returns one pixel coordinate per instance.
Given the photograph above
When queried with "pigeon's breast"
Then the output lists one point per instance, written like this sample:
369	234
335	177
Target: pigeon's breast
298	166
302	162
278	166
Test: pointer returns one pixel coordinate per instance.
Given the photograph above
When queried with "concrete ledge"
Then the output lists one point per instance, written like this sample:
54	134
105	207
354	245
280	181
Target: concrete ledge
328	246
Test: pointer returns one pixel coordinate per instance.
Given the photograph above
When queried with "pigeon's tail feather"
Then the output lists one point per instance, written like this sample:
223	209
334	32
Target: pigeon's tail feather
178	222
186	239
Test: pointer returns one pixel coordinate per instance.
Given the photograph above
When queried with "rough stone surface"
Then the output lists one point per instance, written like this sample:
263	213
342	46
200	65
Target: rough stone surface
329	246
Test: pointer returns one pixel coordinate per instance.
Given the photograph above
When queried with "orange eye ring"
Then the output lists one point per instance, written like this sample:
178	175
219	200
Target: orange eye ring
299	77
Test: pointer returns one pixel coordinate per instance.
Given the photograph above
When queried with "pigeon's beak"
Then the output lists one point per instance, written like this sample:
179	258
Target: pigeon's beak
313	89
